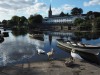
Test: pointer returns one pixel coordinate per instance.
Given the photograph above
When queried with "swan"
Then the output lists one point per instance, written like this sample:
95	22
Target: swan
75	55
51	53
40	51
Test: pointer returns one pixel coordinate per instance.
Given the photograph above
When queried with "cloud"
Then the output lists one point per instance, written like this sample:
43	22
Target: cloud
20	7
9	8
65	8
92	2
16	4
36	8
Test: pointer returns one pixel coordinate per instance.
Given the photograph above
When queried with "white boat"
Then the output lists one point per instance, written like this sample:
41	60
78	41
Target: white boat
79	46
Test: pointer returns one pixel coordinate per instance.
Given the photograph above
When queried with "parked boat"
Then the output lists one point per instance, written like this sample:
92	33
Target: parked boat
79	46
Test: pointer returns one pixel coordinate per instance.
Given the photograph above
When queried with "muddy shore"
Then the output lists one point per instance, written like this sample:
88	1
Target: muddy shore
52	67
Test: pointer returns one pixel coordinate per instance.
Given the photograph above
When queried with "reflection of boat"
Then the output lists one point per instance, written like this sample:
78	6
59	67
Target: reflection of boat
79	46
37	36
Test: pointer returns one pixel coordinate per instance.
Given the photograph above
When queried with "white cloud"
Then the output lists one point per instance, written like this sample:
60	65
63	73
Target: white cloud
92	2
36	8
16	4
9	8
67	7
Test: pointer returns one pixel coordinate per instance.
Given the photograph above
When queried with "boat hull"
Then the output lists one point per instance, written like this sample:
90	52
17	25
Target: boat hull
94	50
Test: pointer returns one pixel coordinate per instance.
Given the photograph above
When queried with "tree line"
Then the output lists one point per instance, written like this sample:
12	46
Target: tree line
91	21
22	21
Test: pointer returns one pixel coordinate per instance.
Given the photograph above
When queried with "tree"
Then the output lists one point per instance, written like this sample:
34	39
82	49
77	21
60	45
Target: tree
35	19
89	15
85	25
38	19
4	22
80	11
31	19
78	21
76	11
97	22
23	20
10	23
16	20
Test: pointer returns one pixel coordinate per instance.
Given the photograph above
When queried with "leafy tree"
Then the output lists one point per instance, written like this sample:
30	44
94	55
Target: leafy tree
35	19
89	15
78	21
16	20
97	22
86	26
10	23
23	20
76	11
4	22
38	19
31	19
67	14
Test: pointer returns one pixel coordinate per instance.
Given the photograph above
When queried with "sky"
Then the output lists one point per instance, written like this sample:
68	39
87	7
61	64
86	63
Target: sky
9	8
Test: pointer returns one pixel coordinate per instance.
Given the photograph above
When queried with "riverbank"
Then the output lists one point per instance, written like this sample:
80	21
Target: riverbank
53	67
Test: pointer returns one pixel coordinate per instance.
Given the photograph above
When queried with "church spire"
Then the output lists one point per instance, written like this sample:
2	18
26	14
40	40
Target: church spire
50	12
50	7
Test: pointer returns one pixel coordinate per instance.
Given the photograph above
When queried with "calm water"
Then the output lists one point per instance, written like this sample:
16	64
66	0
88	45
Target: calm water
17	49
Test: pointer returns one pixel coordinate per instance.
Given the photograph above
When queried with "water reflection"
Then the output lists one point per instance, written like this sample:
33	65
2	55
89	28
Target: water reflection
87	38
18	33
87	35
19	47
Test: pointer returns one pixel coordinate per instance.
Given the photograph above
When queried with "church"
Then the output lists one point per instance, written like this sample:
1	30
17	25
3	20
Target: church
61	18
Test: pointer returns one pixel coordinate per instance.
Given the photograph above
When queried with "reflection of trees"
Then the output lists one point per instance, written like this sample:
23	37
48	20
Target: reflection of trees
1	39
18	32
87	35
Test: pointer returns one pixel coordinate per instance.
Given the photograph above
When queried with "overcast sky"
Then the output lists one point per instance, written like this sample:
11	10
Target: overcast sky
9	8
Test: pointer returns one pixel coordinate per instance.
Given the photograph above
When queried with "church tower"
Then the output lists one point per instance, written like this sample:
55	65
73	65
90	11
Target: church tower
50	12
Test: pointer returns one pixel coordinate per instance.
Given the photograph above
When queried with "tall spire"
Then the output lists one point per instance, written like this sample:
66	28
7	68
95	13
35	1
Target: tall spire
50	7
50	12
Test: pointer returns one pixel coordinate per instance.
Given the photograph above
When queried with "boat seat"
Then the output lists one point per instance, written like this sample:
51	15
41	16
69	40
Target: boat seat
74	44
81	45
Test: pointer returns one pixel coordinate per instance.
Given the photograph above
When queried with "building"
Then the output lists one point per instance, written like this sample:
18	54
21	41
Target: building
61	18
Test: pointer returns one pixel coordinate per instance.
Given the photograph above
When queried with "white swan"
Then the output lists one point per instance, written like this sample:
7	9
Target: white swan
40	51
51	53
75	55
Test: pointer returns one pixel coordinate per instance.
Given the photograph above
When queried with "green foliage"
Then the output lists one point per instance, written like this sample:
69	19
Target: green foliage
86	25
97	22
35	19
23	21
4	22
38	19
76	11
16	20
10	23
78	21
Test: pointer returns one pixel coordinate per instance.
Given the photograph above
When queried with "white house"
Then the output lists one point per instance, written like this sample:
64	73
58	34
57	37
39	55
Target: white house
57	19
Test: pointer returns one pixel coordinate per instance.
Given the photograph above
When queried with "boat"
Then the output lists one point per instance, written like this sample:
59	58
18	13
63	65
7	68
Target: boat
88	48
